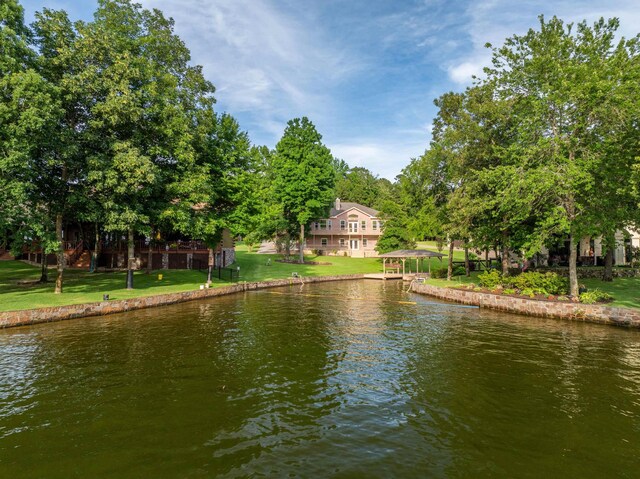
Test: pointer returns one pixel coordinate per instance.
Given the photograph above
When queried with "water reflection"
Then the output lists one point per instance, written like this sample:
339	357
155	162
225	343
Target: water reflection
341	379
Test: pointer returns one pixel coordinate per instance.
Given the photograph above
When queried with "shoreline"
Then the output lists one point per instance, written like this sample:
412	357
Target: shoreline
28	317
591	313
588	313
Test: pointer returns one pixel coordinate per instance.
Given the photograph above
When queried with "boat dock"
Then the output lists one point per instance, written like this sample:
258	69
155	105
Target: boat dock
384	276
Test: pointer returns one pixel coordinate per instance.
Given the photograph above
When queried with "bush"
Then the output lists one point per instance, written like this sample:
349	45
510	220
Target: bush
459	271
439	273
490	279
595	296
539	283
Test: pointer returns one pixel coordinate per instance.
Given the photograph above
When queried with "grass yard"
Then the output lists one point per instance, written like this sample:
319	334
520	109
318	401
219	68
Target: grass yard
433	246
84	287
625	291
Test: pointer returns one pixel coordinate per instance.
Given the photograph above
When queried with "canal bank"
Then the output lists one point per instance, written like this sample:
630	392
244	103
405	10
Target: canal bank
591	313
11	319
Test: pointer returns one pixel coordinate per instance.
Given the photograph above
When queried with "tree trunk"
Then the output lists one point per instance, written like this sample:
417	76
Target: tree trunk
287	246
130	259
608	260
486	260
94	255
301	244
466	261
573	267
505	254
210	265
450	263
60	254
44	271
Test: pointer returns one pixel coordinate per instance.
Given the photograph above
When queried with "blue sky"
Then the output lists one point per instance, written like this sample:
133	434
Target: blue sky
365	72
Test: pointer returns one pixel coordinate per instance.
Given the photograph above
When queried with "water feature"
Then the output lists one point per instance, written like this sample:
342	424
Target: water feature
348	379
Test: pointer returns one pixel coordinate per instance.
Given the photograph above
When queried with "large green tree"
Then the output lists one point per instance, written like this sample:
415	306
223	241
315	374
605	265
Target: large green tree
29	114
303	175
567	90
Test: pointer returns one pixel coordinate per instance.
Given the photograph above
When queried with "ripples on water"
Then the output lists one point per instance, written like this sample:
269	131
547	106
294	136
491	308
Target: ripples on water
339	379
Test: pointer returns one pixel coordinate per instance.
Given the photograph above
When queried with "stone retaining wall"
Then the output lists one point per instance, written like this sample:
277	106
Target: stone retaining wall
10	319
547	309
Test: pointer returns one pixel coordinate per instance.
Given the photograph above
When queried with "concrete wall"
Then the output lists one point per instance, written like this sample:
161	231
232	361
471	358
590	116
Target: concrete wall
10	319
547	309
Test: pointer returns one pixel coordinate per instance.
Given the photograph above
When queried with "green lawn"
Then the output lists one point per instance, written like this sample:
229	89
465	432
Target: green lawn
83	287
433	246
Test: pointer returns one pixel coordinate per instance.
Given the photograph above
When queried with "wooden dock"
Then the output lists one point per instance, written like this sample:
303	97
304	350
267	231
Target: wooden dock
383	277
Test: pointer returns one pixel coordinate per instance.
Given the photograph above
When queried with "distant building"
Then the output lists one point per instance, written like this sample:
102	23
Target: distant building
351	229
174	252
590	250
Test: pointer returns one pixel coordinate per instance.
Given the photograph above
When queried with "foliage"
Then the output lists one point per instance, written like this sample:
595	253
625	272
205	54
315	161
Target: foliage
595	296
361	186
539	283
395	234
439	273
303	175
490	279
442	272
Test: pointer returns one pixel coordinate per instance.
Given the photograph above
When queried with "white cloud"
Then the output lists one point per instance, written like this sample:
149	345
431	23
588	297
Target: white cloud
385	158
464	72
264	60
493	21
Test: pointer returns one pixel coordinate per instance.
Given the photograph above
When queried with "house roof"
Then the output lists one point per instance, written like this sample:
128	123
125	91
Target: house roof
345	206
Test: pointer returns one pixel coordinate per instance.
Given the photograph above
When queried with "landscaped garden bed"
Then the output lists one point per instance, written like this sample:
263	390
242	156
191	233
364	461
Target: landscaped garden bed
546	286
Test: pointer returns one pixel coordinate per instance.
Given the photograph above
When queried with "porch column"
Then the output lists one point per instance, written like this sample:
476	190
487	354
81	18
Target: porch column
403	261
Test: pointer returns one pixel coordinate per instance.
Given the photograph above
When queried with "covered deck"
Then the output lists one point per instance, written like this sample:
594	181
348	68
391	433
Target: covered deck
402	255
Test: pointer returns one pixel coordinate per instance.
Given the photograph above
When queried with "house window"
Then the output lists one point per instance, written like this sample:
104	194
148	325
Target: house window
353	226
343	225
364	243
374	225
363	225
323	224
316	225
342	242
328	224
323	242
380	224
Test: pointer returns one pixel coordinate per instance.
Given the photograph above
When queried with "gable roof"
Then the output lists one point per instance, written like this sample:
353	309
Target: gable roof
345	206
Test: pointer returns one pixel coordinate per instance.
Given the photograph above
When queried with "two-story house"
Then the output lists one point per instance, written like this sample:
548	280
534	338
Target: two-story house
351	229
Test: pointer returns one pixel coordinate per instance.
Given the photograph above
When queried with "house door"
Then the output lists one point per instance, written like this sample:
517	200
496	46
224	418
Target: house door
353	244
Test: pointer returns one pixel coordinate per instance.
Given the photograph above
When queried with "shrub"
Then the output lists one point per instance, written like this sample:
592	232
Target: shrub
490	279
539	283
439	273
509	291
459	271
595	296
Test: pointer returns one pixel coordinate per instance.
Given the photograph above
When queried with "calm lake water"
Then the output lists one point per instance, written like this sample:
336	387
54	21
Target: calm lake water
329	380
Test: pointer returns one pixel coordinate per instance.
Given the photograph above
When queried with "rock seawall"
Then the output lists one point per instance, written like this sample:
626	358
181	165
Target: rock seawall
591	313
9	319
